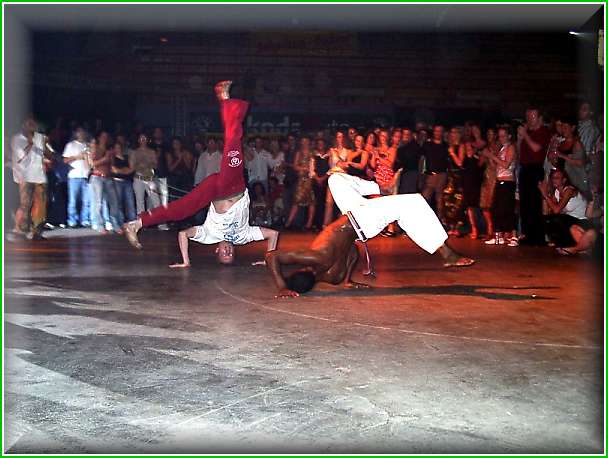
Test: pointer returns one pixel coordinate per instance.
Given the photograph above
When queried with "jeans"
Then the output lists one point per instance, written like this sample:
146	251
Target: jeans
103	188
78	196
126	200
143	188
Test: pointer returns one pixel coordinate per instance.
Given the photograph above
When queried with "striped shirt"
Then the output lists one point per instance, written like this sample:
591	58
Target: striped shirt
588	133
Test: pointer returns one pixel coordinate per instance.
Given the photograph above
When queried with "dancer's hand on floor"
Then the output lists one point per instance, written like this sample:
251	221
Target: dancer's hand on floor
286	293
356	285
181	265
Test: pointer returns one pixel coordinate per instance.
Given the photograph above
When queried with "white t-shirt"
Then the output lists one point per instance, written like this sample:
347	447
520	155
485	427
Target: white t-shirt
28	167
576	206
232	226
80	168
208	164
258	167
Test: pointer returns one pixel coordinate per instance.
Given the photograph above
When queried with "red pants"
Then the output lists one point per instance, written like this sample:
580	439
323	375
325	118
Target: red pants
228	181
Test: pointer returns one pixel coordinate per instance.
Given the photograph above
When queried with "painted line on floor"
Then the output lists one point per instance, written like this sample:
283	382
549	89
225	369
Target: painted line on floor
407	331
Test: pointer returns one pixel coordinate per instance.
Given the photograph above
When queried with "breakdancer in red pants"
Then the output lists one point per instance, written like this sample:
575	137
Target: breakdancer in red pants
228	220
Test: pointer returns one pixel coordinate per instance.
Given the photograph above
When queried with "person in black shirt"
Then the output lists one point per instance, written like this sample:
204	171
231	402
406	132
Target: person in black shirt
122	176
436	154
408	159
321	167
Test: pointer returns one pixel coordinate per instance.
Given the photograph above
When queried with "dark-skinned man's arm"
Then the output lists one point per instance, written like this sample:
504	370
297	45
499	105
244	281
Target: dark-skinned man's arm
276	259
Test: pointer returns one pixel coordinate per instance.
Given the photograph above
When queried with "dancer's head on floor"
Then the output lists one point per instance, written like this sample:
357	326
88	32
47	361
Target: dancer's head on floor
301	281
225	252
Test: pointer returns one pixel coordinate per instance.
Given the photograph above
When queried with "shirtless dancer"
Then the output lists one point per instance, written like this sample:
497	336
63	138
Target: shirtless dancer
333	255
228	220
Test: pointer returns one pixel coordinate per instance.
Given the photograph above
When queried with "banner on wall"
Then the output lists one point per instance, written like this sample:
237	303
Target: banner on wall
282	124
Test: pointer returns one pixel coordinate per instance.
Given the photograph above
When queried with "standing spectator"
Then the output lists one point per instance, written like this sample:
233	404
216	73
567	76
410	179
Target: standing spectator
143	161
122	175
180	164
304	196
422	134
452	194
503	210
278	156
103	140
488	183
587	130
28	160
396	136
383	161
350	140
358	159
339	152
76	155
208	162
291	176
533	140
408	159
471	177
161	171
259	163
102	188
435	153
319	179
571	152
596	161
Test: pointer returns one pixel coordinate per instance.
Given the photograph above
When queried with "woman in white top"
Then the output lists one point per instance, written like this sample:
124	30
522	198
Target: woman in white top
336	154
567	226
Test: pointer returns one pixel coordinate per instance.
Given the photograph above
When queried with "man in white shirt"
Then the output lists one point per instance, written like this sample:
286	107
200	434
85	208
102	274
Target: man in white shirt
28	158
208	162
259	163
76	155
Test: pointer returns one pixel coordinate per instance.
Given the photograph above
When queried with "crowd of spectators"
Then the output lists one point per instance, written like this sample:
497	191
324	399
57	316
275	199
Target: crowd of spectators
537	182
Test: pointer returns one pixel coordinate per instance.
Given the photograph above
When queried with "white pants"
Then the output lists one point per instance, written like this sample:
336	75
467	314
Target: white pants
142	189
163	189
411	211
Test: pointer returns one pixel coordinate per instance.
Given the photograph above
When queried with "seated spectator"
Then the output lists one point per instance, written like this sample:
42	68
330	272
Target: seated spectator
275	202
258	207
568	225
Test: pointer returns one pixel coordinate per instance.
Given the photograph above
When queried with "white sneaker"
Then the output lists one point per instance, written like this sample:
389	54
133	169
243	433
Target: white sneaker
513	241
495	241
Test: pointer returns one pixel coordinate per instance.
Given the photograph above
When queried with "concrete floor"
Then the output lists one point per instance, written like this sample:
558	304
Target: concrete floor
108	350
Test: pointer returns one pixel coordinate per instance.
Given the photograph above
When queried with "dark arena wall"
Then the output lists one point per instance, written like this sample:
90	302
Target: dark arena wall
305	79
